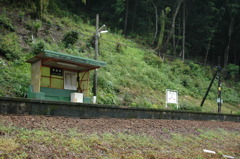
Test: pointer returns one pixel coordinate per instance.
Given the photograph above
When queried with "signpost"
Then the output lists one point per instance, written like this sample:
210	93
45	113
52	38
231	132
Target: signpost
171	97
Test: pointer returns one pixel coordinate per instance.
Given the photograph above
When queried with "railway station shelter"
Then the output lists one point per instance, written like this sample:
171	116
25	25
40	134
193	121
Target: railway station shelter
61	77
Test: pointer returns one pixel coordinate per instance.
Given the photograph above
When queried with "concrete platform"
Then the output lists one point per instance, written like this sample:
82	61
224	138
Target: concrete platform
83	110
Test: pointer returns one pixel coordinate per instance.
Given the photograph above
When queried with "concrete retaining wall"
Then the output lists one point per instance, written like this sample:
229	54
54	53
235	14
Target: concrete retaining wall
55	108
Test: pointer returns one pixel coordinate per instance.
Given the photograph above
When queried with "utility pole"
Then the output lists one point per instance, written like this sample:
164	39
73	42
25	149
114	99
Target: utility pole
219	99
96	57
216	76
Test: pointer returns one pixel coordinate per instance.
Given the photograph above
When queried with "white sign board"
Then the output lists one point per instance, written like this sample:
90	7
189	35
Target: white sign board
171	97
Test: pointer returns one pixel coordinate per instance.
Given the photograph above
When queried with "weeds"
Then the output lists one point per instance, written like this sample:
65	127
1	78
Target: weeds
10	47
20	143
6	22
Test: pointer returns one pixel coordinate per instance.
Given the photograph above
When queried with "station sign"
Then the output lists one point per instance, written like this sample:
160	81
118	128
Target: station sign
171	97
56	71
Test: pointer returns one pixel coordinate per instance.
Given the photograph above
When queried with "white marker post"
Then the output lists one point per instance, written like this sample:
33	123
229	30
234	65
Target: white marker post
171	97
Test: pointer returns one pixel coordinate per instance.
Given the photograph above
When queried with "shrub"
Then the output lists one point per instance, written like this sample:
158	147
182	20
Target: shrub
70	38
6	22
233	70
35	25
9	46
153	60
14	80
38	47
21	16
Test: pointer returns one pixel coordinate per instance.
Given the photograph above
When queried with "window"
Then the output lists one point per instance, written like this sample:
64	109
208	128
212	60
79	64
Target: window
48	79
70	80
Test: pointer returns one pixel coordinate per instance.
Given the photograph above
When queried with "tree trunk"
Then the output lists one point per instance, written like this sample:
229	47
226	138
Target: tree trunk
134	15
160	40
226	53
156	21
126	19
184	29
235	51
172	32
41	8
178	39
208	48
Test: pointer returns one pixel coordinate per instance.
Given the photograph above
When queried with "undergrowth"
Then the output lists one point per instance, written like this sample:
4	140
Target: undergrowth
20	143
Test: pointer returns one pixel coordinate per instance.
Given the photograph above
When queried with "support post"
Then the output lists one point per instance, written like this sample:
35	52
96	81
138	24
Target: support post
96	57
219	99
217	75
219	95
209	87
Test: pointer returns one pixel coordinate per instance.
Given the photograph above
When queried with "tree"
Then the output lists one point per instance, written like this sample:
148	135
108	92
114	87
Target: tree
41	8
134	14
126	18
172	31
233	8
156	21
213	16
184	29
162	21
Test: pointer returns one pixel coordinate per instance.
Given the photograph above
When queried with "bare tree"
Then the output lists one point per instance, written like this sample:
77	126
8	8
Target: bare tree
156	21
126	19
184	29
172	31
230	30
135	13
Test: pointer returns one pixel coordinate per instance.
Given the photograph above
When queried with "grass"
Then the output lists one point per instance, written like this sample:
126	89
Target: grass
20	143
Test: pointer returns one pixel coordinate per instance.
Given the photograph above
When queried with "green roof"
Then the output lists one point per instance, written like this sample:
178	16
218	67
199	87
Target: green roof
51	58
77	59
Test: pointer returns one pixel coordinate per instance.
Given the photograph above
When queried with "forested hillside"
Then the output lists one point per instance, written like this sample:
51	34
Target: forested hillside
150	46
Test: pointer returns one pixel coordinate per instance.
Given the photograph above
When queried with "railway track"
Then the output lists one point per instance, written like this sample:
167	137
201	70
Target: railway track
22	106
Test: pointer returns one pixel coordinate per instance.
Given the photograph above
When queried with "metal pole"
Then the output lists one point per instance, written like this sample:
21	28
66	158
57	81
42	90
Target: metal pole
219	85
219	94
96	57
206	94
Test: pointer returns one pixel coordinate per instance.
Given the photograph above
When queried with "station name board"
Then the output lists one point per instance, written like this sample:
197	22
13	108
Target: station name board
56	71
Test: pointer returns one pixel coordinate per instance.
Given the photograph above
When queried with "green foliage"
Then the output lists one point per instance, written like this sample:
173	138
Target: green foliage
38	47
14	79
54	8
190	107
34	25
6	22
153	60
10	47
70	38
21	16
233	70
37	25
41	7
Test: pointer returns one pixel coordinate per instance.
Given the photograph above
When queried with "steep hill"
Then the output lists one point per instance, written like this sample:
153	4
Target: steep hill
134	75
